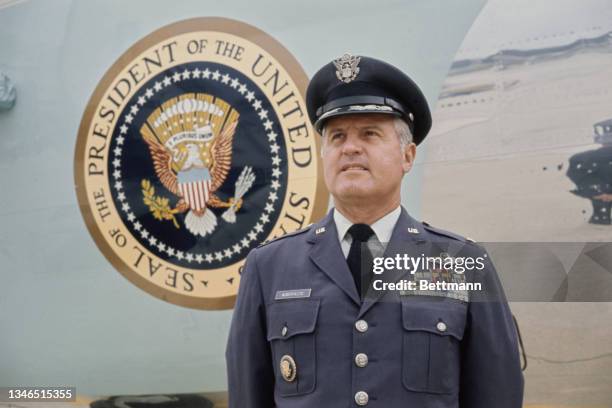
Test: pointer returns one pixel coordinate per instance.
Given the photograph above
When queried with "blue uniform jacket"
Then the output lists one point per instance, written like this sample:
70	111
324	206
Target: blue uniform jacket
409	360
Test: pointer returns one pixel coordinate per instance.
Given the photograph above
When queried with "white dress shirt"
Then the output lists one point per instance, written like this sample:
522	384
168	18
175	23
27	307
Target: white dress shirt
382	228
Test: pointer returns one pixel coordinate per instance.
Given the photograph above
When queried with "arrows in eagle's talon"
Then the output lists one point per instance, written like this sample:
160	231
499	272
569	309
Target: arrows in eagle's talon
234	203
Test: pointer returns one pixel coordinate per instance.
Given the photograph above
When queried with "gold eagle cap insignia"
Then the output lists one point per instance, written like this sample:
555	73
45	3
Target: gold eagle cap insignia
347	67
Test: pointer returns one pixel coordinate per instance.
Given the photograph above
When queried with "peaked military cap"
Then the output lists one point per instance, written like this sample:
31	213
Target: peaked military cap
353	84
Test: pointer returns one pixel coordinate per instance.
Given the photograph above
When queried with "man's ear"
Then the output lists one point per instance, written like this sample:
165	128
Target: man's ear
408	157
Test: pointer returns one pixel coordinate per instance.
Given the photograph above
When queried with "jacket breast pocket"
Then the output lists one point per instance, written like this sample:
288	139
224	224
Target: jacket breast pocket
291	333
431	356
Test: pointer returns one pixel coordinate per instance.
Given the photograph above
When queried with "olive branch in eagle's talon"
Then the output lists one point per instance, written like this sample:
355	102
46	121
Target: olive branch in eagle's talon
159	206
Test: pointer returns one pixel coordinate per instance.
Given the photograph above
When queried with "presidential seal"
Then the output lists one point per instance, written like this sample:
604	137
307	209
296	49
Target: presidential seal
194	148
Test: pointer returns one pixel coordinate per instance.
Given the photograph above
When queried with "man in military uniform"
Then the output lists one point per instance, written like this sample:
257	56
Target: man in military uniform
591	171
309	331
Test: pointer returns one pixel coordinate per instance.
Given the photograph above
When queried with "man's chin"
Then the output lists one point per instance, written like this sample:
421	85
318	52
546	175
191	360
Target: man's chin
355	192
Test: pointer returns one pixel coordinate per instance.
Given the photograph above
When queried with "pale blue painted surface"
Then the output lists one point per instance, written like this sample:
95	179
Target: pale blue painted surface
66	317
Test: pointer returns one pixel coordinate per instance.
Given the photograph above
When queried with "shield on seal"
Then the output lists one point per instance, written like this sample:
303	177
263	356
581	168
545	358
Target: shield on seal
194	184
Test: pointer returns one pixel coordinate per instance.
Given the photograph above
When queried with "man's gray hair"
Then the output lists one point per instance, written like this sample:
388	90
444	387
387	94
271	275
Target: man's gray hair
403	132
401	129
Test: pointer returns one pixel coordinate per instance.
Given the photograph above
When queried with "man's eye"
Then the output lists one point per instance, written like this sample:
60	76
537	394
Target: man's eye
371	133
336	136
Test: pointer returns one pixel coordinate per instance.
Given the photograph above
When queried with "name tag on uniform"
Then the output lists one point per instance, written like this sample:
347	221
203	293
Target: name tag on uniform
292	294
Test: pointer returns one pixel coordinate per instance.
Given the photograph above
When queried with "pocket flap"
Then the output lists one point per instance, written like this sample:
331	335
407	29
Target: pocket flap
441	318
287	318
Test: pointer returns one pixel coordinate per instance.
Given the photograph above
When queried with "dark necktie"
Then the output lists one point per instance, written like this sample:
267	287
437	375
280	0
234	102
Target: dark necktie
360	233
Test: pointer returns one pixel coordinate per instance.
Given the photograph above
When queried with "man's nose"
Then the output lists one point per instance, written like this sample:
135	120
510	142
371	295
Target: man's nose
352	145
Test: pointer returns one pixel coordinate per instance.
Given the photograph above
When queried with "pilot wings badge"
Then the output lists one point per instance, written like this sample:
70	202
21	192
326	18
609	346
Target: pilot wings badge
190	142
346	67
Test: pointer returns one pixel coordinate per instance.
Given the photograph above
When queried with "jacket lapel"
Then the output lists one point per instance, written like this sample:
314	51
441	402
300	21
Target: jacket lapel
327	255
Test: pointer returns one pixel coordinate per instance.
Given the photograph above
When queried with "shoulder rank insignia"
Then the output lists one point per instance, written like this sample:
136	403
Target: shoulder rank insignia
287	235
445	233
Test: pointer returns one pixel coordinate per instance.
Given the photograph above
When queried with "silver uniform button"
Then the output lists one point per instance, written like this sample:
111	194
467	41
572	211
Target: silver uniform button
441	326
361	326
361	398
361	360
284	331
